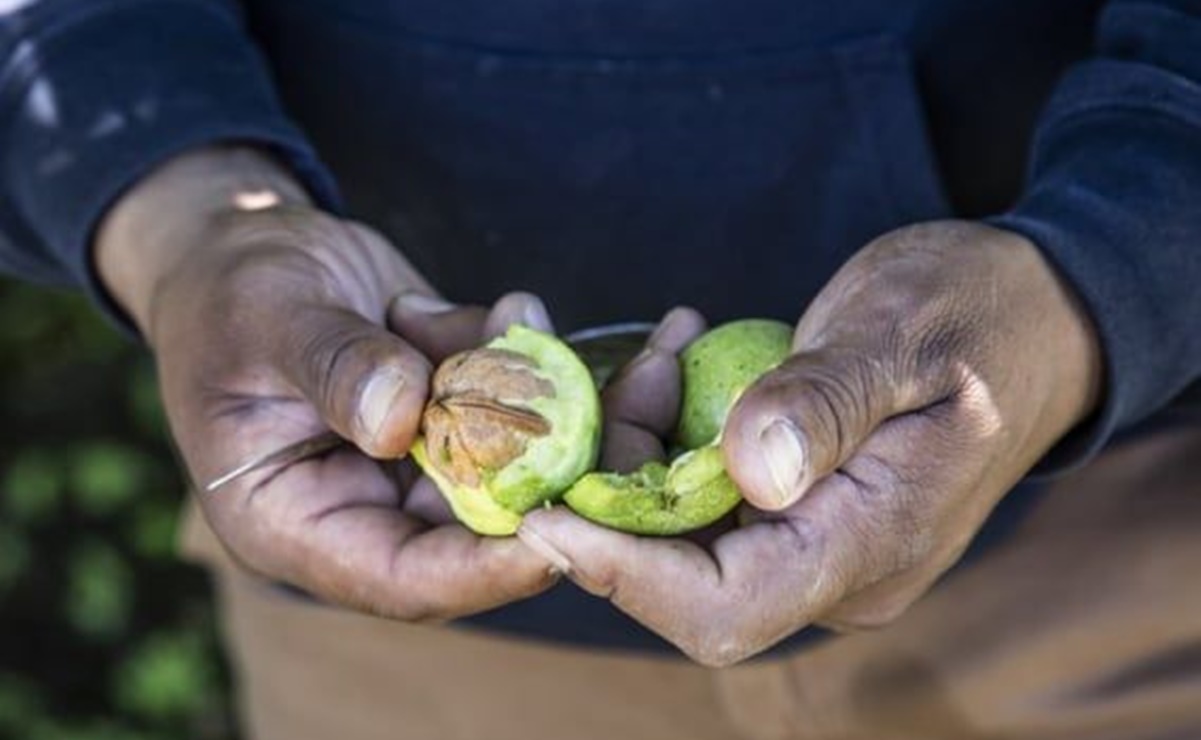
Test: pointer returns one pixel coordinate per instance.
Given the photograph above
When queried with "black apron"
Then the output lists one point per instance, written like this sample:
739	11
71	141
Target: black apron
618	158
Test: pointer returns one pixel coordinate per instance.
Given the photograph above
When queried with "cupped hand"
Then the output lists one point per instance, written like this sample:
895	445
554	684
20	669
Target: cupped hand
928	377
273	321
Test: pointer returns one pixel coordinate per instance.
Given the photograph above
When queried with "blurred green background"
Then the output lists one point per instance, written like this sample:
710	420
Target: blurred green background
104	634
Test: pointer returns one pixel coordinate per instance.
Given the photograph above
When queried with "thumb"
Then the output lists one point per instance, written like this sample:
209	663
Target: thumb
368	384
805	418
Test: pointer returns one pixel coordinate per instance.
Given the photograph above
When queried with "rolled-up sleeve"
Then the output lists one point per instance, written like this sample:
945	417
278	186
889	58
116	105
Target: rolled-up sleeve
95	93
1113	199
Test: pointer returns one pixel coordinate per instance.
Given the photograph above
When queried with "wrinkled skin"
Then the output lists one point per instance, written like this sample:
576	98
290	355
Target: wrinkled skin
271	321
931	373
275	321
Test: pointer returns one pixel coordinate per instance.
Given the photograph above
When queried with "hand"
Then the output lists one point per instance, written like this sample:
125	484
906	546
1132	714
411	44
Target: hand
267	319
640	403
928	377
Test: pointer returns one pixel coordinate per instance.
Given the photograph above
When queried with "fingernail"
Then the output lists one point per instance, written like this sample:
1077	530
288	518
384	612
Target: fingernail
535	316
665	333
377	400
422	303
538	544
784	454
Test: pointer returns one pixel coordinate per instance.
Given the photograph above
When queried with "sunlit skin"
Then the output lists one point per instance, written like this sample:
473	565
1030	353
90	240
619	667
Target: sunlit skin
271	321
926	379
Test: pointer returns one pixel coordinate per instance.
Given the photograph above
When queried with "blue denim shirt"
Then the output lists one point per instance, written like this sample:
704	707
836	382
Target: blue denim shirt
619	157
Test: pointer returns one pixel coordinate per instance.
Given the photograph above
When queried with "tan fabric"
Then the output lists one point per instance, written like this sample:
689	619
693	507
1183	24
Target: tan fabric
1084	625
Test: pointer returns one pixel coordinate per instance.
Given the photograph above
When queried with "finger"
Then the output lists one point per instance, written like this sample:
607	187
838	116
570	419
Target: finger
759	584
625	447
526	309
646	392
677	329
366	553
801	421
367	383
436	327
642	402
775	575
923	481
640	406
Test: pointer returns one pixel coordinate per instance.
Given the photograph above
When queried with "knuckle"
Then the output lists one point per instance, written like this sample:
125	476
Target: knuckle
507	577
600	581
838	401
245	283
263	285
718	651
732	634
412	610
868	617
543	579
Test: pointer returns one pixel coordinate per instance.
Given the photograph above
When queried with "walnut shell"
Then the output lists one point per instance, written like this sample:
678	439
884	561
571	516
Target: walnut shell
478	419
509	427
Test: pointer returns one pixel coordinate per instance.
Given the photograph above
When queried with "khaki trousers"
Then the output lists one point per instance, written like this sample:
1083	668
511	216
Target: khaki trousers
1085	623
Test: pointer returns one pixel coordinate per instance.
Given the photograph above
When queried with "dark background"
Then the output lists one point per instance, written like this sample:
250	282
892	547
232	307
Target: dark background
104	634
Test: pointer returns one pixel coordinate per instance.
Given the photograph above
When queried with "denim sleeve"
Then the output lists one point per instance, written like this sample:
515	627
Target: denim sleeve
95	93
1113	199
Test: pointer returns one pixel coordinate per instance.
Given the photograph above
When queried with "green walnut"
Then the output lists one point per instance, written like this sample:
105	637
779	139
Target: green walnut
509	427
694	491
718	367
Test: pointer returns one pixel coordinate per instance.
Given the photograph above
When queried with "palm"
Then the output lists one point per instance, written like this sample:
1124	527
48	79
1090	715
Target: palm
276	332
872	455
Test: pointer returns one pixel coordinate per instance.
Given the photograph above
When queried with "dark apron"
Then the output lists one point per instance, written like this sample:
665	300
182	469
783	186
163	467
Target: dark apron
615	185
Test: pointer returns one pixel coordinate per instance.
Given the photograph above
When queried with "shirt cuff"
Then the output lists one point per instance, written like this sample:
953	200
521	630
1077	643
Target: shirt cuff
1111	203
93	102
